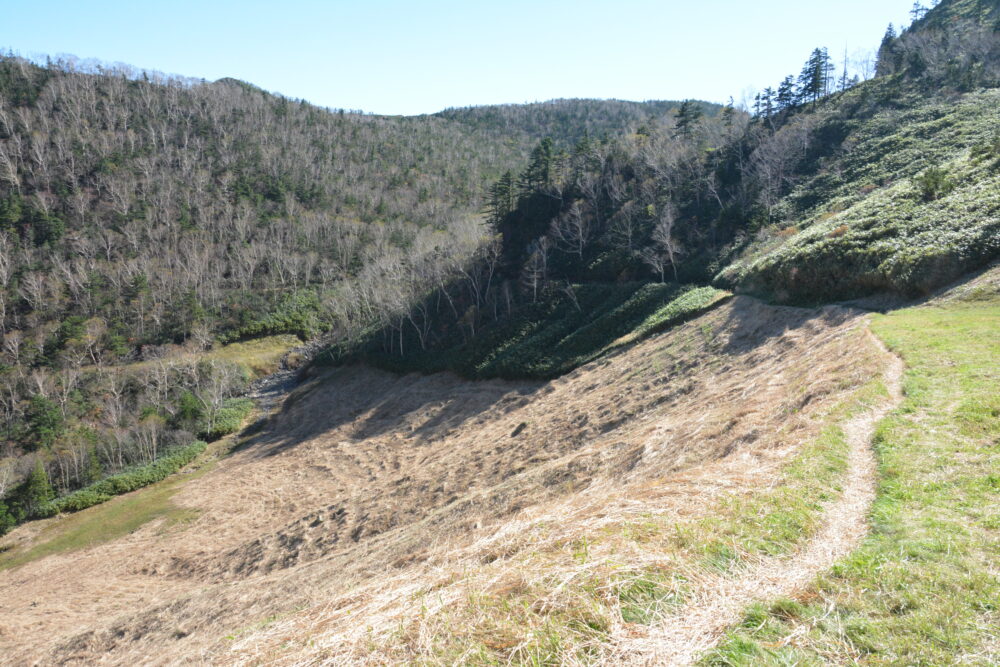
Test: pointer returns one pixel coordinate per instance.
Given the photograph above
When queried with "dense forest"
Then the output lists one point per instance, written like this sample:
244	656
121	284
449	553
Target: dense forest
142	214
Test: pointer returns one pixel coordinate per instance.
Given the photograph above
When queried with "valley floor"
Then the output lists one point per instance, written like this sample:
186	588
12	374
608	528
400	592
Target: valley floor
387	519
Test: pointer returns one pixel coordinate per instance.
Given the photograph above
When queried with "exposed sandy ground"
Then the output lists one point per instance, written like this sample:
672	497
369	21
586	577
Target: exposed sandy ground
368	486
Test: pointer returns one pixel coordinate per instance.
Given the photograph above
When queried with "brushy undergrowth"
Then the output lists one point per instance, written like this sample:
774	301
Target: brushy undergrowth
559	333
914	204
124	482
298	313
228	419
923	589
110	520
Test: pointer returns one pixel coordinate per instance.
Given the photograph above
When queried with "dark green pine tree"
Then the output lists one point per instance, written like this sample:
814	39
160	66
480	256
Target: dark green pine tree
502	196
728	112
45	421
32	493
888	54
687	117
767	102
539	174
917	12
815	77
786	93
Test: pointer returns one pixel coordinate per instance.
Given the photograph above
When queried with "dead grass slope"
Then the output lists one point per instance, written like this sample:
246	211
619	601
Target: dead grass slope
369	488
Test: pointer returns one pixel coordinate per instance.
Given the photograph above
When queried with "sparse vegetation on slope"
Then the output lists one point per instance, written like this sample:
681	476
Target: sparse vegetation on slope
566	122
363	461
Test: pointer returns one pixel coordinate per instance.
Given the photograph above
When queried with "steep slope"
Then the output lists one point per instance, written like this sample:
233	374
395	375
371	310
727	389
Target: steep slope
910	207
902	196
433	477
660	457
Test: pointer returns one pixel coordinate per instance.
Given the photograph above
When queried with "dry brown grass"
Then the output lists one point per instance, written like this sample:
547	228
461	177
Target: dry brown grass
389	519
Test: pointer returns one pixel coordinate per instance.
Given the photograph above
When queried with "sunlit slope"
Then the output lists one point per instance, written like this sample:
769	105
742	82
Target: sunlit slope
370	489
912	204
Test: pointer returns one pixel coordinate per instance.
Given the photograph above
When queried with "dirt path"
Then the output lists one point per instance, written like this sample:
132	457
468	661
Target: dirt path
682	638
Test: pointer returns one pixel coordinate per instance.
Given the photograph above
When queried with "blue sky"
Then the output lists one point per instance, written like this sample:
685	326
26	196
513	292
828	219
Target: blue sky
389	56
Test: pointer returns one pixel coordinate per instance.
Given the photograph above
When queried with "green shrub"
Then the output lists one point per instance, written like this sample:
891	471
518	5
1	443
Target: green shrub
297	313
229	418
933	184
78	500
689	304
124	482
891	241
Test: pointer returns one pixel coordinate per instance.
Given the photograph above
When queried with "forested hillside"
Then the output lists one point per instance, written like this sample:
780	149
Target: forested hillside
830	187
566	122
139	212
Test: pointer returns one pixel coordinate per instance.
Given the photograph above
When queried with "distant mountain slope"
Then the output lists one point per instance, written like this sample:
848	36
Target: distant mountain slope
567	121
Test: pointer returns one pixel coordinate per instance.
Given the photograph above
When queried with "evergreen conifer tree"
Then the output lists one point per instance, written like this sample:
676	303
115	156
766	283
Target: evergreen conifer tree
46	421
786	93
888	59
687	117
32	493
539	171
767	99
728	112
501	201
814	81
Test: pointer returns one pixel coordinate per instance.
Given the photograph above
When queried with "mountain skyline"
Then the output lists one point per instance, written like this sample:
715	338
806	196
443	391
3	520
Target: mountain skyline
390	58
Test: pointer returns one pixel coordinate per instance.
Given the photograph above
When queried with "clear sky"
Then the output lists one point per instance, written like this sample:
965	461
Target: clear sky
396	57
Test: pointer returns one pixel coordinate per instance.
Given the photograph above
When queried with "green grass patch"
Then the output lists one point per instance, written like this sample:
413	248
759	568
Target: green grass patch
258	357
923	589
261	356
108	521
228	419
776	521
645	597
